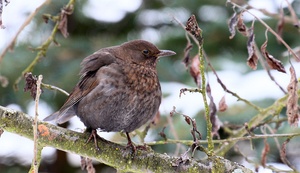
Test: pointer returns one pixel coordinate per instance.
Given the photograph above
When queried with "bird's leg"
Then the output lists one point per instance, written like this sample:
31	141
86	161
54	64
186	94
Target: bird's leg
95	136
130	143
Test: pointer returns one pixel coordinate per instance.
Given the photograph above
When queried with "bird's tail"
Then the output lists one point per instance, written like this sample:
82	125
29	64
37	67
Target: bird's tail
61	116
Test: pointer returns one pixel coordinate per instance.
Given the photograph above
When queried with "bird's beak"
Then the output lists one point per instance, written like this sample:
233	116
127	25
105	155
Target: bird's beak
165	53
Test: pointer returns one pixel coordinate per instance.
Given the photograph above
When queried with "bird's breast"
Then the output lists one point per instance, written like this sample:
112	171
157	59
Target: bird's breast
142	79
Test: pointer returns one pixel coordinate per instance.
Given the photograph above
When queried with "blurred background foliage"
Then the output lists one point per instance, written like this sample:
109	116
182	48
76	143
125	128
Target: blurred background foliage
153	21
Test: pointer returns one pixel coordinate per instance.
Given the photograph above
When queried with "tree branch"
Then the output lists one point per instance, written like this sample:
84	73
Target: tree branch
111	154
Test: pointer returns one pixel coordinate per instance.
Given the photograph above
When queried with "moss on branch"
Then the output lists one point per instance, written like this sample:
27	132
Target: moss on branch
111	154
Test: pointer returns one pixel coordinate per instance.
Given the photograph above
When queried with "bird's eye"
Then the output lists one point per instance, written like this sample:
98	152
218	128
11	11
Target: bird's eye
146	51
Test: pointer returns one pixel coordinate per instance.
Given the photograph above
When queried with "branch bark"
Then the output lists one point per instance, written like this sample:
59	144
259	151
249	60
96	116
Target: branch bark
111	154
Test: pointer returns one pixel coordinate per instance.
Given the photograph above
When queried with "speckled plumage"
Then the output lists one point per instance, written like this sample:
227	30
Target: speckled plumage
118	89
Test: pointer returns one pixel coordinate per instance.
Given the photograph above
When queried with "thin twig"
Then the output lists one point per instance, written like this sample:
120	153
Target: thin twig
52	87
174	133
262	62
221	141
44	47
277	16
226	89
270	29
27	21
293	14
42	53
35	130
195	40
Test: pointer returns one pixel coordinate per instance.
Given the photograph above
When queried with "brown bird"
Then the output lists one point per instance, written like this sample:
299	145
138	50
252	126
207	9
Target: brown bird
118	89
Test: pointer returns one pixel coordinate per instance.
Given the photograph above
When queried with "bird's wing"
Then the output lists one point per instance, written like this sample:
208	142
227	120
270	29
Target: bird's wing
88	81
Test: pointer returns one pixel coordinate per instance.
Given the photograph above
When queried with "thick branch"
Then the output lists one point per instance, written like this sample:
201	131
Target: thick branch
111	154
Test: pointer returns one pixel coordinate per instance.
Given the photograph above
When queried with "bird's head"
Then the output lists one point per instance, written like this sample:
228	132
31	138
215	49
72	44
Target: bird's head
143	52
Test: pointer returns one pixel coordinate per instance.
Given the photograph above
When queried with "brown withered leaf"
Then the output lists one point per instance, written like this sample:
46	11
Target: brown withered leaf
280	24
86	163
215	121
162	134
292	109
222	104
236	22
272	62
264	153
193	28
195	131
172	112
195	71
232	22
63	23
83	162
252	58
187	50
283	151
241	27
187	120
30	84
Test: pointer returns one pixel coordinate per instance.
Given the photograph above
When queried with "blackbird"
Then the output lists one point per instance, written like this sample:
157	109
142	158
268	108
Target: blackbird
118	89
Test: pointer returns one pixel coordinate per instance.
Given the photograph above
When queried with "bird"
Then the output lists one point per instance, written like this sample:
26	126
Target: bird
118	89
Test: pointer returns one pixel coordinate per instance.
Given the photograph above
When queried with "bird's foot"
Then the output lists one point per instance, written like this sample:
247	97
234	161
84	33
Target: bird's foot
95	136
131	146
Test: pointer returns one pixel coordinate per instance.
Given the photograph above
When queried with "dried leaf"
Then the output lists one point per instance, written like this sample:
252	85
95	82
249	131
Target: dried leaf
292	102
190	121
86	163
173	111
283	151
222	104
216	123
3	81
82	162
232	24
187	50
236	22
272	62
187	120
212	105
195	71
30	84
252	58
195	130
193	28
162	134
264	153
63	23
280	24
241	27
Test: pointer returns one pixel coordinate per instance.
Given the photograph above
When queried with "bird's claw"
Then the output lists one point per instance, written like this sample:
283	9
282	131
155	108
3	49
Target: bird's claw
95	136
